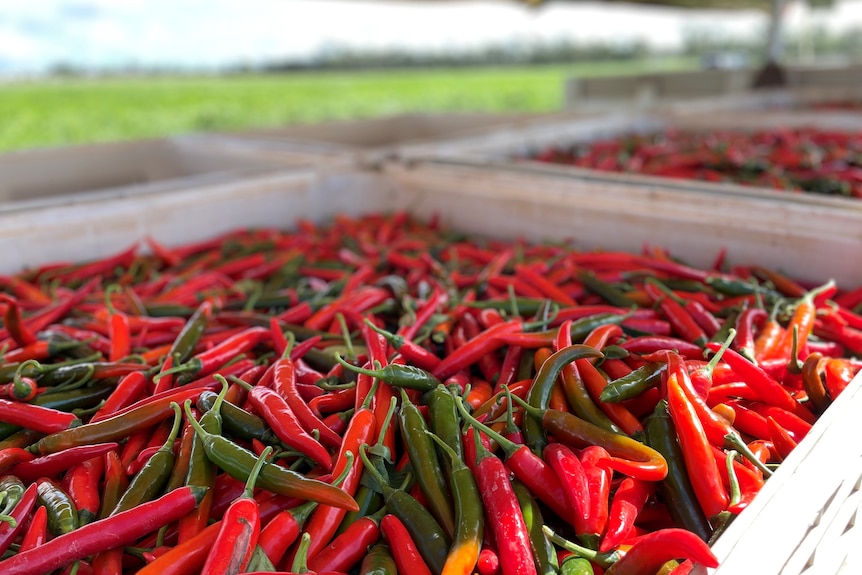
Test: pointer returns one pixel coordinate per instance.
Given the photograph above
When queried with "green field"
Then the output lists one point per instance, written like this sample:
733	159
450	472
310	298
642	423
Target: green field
70	111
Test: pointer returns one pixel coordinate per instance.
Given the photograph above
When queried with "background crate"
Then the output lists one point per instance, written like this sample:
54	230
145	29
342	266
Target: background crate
812	243
779	532
375	140
825	99
659	89
511	148
35	177
651	90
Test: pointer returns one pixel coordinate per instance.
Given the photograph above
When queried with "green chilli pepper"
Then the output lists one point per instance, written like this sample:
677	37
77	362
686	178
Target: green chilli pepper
445	421
431	541
543	550
398	375
540	392
147	484
426	467
469	512
675	489
238	462
62	514
633	384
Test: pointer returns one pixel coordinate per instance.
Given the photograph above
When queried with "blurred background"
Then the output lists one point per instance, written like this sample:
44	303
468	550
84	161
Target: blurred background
76	71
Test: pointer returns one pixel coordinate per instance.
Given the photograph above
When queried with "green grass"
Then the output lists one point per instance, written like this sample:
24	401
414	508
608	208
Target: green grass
73	111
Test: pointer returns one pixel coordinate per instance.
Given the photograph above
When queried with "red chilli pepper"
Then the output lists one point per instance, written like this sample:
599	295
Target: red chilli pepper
8	532
647	344
15	325
117	530
570	472
781	439
769	390
277	413
628	500
839	373
36	417
119	334
468	354
53	464
348	549
745	340
676	314
593	459
504	514
129	389
82	484
699	459
284	383
37	531
529	468
240	529
210	360
404	550
651	551
10	457
325	520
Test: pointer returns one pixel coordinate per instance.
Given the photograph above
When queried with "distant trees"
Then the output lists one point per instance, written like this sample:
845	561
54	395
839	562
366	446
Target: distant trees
815	43
513	53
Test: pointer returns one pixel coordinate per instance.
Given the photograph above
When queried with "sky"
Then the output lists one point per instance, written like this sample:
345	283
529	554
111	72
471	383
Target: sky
36	34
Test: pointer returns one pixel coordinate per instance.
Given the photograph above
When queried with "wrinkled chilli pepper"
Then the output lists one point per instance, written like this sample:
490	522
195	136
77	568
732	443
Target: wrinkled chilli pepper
62	514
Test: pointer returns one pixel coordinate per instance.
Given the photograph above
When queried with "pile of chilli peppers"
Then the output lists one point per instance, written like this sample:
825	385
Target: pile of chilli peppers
382	395
793	159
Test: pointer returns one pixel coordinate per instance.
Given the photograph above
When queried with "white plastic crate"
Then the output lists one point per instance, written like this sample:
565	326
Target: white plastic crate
657	90
35	177
824	99
803	522
807	519
652	89
808	242
511	148
371	141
